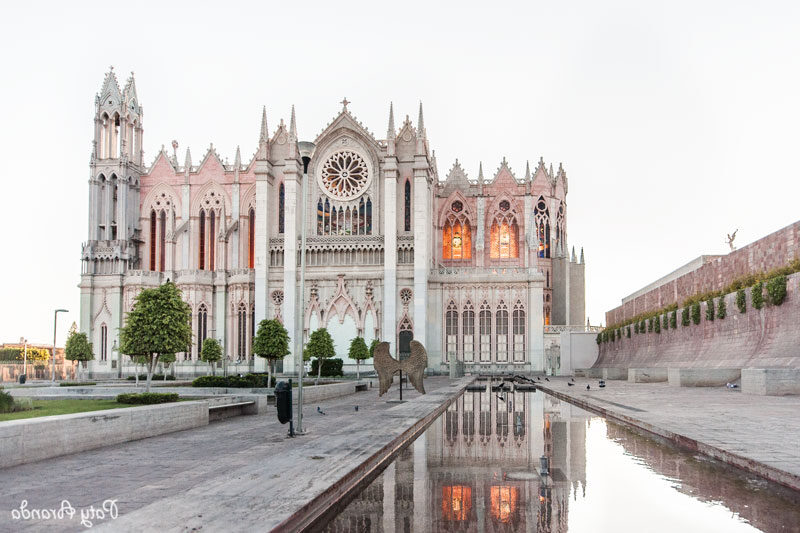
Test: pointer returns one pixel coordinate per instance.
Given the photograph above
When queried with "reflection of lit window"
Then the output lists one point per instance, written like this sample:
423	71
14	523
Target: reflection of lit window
504	503
456	502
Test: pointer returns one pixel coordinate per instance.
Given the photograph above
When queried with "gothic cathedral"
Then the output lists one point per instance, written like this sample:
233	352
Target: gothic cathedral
478	270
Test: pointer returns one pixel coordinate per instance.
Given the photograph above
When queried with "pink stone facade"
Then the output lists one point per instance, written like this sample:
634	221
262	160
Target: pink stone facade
773	251
766	337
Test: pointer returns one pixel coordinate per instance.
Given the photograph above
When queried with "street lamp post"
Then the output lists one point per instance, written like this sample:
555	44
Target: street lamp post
118	355
53	362
24	342
306	148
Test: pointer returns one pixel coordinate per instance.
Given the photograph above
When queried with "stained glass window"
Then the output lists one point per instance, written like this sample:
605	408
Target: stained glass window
407	207
320	217
201	259
456	503
457	206
162	241
211	239
504	240
281	207
369	216
152	240
456	240
504	503
251	238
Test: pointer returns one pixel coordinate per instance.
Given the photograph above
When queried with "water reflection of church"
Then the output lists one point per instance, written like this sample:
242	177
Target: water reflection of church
477	467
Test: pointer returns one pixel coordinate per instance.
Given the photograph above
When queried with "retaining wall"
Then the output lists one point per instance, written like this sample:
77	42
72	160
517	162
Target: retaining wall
767	337
773	251
34	439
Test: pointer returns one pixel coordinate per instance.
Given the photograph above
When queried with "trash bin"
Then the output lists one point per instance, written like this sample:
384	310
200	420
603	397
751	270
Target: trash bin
22	378
283	401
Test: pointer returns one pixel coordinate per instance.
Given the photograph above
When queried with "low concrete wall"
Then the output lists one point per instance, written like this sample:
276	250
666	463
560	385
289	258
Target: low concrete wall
614	373
325	392
702	377
34	439
771	381
647	375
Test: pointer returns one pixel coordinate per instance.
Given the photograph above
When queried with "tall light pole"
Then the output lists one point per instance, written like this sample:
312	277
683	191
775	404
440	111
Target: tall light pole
24	342
306	149
53	362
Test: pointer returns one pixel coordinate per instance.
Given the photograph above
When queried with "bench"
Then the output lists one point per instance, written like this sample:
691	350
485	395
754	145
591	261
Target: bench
228	410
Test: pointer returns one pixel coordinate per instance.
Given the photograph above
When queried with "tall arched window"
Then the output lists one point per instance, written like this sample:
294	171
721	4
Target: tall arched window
334	221
153	240
251	238
103	342
519	332
541	220
212	239
162	241
501	332
504	239
320	218
451	332
113	215
327	229
201	242
407	206
242	326
252	327
456	234
202	327
361	217
485	325
468	332
369	217
281	207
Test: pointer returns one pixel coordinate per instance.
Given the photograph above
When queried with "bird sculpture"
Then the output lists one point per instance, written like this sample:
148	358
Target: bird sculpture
414	366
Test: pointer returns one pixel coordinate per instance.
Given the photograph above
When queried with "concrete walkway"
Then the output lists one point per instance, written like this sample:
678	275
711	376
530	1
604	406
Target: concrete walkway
241	474
760	434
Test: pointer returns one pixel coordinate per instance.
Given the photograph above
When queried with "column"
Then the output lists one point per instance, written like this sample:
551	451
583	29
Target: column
535	320
421	209
93	201
479	234
122	211
187	233
390	253
236	217
261	262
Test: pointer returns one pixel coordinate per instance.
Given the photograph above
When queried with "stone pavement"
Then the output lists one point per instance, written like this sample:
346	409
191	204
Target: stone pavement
240	474
760	434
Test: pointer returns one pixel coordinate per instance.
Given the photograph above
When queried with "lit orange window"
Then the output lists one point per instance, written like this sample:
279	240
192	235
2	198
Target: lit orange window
504	503
456	503
456	240
503	239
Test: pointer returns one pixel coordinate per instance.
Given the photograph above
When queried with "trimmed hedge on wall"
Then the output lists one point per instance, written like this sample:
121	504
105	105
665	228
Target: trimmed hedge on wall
333	367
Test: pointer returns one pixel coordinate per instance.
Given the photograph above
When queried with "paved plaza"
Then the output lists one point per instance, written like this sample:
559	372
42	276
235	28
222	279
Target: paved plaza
240	474
759	433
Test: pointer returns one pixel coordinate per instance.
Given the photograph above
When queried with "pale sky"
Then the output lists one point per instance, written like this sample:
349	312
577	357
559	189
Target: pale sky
676	121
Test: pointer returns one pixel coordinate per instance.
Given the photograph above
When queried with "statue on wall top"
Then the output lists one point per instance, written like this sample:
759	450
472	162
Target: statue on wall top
731	237
414	366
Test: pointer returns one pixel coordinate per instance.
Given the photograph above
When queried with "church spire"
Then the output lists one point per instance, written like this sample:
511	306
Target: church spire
527	171
187	164
292	127
237	162
480	172
391	133
264	136
573	255
421	123
583	261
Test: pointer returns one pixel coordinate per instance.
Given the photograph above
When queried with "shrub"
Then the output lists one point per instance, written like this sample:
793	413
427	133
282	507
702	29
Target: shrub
6	402
642	326
757	295
710	309
248	381
665	321
76	383
636	328
722	309
628	332
143	377
696	313
741	300
599	338
650	325
685	316
657	324
776	290
333	367
673	320
147	398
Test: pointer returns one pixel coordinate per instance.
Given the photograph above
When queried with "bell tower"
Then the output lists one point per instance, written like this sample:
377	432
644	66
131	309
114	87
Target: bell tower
111	249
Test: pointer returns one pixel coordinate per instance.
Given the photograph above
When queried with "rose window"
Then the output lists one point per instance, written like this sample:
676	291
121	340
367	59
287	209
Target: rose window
344	175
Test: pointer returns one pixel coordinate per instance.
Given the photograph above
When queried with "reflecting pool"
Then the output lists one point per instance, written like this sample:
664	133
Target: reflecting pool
477	468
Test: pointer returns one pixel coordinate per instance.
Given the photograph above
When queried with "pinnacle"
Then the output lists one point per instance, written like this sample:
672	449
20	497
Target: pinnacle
238	160
292	127
527	171
480	172
264	136
390	134
421	123
188	162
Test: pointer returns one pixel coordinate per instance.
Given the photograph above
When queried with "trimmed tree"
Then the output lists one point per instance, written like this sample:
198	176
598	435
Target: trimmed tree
78	349
158	324
211	353
374	344
319	347
272	343
359	352
722	310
